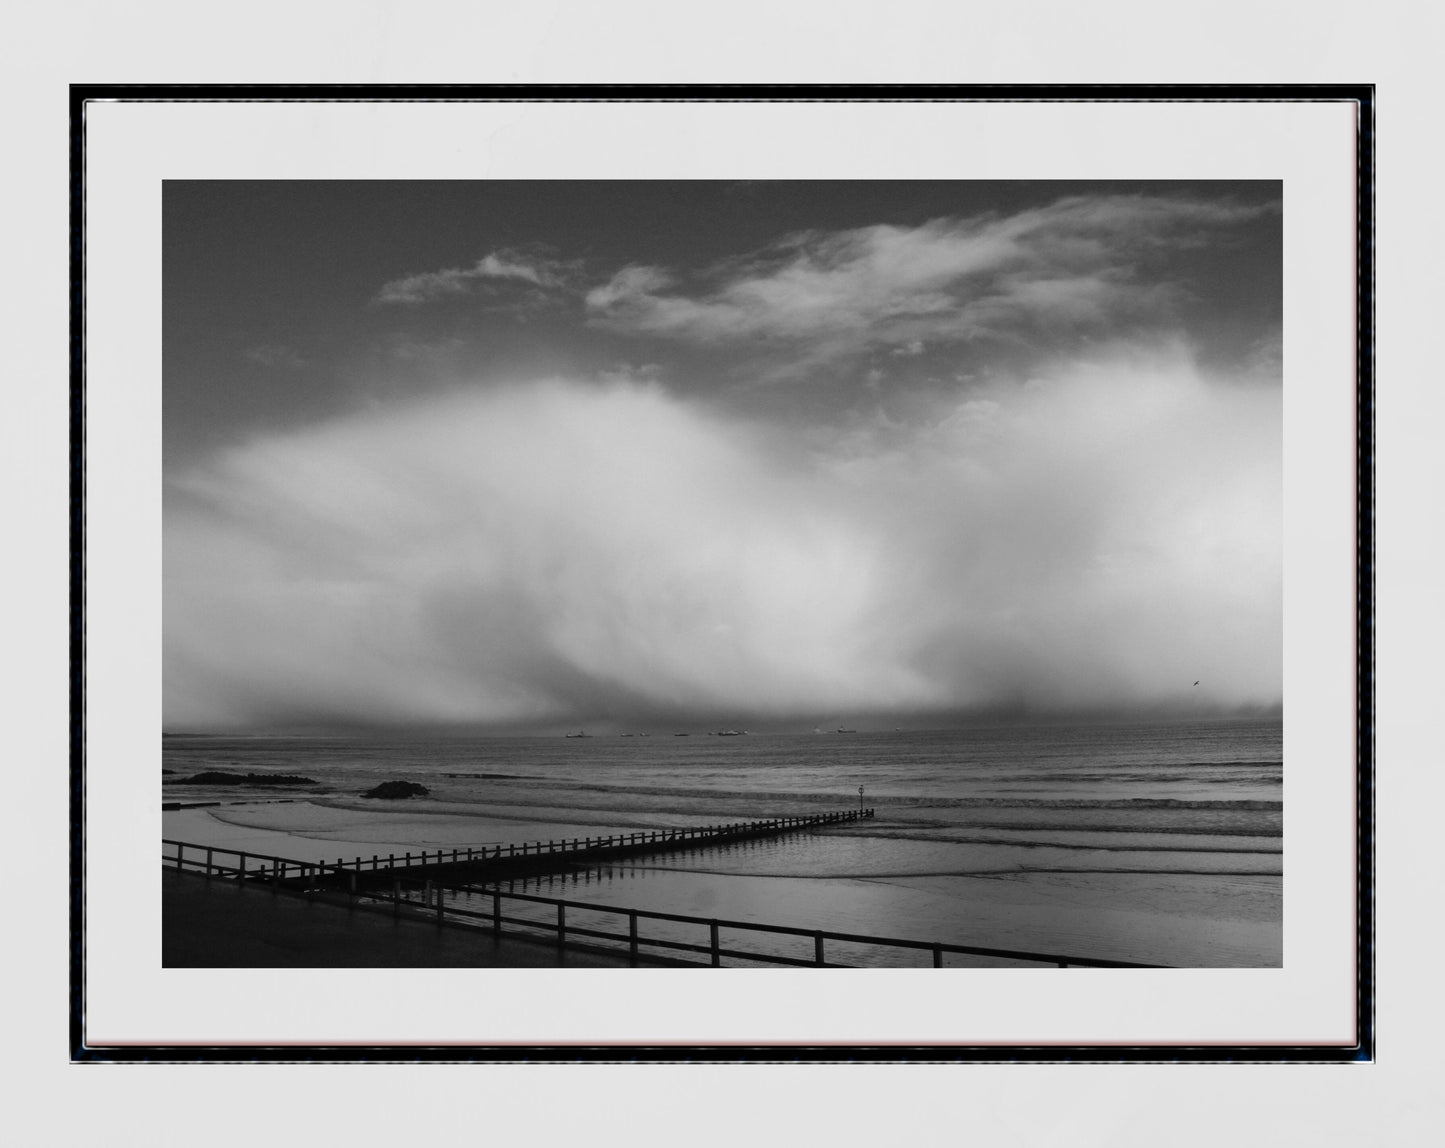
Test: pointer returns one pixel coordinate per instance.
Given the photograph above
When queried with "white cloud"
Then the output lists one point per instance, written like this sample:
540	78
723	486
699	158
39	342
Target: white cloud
1103	536
1068	264
424	287
274	355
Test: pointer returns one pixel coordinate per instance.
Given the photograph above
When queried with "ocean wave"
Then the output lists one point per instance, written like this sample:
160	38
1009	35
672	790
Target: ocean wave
922	801
944	837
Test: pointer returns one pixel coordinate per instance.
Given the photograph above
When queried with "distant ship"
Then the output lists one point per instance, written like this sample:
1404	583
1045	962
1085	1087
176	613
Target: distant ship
841	730
680	735
579	733
731	732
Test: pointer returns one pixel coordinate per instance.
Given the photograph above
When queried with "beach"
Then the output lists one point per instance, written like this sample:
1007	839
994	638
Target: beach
1157	844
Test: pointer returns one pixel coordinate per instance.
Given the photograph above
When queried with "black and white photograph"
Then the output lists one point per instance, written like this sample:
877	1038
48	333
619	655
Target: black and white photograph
631	574
864	582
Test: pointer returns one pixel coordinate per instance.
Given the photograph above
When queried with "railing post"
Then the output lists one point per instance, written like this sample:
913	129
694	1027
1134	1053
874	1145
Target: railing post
180	852
241	869
632	933
440	902
209	853
561	925
818	948
716	956
938	956
496	913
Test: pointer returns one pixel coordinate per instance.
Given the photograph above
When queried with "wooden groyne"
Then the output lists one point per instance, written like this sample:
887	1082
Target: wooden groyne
497	862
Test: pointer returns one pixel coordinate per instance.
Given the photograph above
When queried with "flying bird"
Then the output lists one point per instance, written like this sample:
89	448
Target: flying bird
1196	683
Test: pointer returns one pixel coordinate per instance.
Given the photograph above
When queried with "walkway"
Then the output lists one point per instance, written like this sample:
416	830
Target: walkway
229	924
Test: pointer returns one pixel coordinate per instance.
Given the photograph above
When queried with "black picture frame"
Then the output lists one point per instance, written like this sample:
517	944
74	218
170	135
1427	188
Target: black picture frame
84	1049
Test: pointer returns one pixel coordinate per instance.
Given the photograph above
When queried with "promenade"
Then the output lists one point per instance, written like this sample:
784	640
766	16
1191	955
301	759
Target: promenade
231	924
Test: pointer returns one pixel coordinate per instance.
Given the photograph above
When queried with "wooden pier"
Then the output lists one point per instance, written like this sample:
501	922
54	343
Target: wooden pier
503	862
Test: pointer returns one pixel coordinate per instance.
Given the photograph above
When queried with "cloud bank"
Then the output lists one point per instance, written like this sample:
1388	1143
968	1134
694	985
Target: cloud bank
1099	537
1074	266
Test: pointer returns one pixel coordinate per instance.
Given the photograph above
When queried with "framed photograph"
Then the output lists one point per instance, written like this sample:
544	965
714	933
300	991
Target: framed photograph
728	574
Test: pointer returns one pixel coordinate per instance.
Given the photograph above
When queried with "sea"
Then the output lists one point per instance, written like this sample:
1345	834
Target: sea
1149	842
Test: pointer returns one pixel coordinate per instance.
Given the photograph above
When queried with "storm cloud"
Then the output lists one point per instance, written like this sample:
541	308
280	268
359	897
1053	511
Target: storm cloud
1099	535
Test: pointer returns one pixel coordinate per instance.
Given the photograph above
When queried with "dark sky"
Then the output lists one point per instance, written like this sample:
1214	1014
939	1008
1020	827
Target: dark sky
533	454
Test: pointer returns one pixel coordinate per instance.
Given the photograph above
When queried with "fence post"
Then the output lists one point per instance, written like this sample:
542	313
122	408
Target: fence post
818	948
241	869
938	956
632	933
716	956
209	852
496	913
440	902
561	924
180	852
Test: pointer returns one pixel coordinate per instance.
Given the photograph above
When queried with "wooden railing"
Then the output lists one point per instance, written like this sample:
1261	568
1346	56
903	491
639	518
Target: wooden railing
559	929
282	872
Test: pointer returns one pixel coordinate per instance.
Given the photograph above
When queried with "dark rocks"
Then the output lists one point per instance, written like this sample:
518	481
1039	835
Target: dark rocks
219	777
397	789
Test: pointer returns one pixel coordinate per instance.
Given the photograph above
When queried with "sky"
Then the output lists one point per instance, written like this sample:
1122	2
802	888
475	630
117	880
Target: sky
543	456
